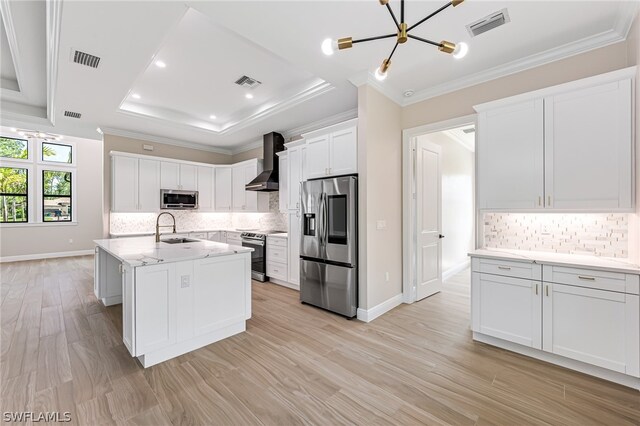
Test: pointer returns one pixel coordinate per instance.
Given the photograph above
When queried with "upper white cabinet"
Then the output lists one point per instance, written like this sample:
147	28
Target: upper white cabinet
135	184
206	179
223	188
178	176
511	156
283	187
588	147
243	200
295	160
334	151
566	148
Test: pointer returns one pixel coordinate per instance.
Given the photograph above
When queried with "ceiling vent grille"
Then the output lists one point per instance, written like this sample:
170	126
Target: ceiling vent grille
488	23
469	130
72	114
83	58
247	82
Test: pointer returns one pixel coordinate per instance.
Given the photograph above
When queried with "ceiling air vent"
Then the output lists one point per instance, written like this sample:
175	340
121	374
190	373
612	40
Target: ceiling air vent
72	114
469	130
247	82
488	23
83	58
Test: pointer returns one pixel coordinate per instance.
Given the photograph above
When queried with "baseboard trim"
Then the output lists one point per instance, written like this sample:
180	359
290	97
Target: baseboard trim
368	315
592	370
455	269
284	284
5	259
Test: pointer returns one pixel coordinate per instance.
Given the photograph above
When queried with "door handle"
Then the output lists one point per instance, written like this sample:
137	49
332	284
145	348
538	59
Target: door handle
547	290
536	289
440	236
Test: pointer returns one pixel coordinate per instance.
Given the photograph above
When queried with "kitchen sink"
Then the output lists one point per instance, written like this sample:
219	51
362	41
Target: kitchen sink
178	240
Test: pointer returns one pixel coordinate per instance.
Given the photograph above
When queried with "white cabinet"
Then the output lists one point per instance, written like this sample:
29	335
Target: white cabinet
294	157
506	307
511	156
283	187
334	153
233	238
243	200
588	148
178	176
277	260
222	190
216	236
566	148
128	309
135	184
293	254
206	179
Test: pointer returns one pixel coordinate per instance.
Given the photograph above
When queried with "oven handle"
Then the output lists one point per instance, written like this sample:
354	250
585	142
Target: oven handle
254	242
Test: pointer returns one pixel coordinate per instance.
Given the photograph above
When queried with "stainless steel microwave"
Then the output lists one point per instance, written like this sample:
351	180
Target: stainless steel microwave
177	199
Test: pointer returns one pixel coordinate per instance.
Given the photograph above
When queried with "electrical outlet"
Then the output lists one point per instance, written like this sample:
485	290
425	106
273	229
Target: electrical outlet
381	224
545	229
184	281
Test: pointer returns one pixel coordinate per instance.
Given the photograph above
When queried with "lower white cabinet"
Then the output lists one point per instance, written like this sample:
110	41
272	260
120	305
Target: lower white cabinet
216	236
277	258
294	248
234	238
592	316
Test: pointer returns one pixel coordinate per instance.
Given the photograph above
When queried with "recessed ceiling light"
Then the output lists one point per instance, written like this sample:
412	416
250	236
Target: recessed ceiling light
213	117
21	133
248	96
408	93
160	64
135	96
13	129
99	130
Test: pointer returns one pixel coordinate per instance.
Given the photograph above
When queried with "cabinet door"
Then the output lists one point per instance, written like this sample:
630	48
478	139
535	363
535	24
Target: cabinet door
124	184
588	148
283	189
593	326
507	308
222	191
205	188
510	157
188	177
155	311
148	185
219	289
250	197
128	310
343	150
294	248
295	166
237	183
318	151
169	175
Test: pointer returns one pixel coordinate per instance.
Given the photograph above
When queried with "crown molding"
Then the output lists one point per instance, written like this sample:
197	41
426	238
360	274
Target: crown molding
369	79
247	147
571	49
163	140
626	18
324	122
54	23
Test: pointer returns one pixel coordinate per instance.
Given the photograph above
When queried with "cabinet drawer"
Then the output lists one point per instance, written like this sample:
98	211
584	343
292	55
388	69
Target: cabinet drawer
507	268
276	254
276	242
277	271
202	235
234	241
591	278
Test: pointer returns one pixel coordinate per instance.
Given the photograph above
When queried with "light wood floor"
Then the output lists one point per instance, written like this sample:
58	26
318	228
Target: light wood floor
61	350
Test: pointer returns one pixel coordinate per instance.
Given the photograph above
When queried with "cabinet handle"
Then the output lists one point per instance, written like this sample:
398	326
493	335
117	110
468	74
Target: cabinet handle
547	290
582	277
506	268
539	200
548	200
536	289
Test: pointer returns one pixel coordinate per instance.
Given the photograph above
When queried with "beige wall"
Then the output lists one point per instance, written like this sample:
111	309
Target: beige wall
34	240
460	103
122	144
247	155
380	183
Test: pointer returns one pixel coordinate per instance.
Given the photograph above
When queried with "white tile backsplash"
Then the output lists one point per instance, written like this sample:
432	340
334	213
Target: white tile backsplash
194	220
605	235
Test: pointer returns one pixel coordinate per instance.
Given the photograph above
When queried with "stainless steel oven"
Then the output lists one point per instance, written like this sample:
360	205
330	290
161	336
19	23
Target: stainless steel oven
258	242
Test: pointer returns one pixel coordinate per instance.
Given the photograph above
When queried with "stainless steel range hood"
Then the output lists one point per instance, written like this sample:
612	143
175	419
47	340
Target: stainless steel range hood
268	180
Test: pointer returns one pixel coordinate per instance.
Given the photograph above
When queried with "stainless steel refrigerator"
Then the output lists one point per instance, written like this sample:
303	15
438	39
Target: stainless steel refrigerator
329	246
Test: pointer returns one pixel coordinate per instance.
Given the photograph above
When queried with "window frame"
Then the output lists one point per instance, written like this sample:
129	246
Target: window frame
29	181
42	160
30	146
70	196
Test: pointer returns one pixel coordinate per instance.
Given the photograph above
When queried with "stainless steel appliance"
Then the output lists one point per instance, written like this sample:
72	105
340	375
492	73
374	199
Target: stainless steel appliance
258	242
329	246
178	200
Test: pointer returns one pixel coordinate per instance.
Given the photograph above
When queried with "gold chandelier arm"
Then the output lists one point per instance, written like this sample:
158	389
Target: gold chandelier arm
433	14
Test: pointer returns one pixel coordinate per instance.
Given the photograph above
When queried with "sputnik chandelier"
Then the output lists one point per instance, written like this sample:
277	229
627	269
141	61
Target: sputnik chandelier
458	51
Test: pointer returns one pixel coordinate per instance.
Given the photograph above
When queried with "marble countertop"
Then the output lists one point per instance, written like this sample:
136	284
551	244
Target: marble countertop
279	235
601	263
187	231
141	251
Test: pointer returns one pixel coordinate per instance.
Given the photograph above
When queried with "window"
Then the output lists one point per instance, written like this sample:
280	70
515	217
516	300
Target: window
57	153
56	196
13	195
14	148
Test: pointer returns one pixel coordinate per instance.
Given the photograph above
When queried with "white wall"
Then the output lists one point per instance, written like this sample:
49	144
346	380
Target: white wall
457	200
32	240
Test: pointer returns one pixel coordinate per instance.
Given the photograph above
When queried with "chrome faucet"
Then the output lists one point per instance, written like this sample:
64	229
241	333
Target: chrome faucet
158	226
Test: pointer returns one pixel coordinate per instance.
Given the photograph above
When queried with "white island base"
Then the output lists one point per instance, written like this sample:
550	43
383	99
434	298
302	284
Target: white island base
174	299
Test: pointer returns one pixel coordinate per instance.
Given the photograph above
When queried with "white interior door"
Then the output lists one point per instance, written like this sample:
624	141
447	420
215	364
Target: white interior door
428	219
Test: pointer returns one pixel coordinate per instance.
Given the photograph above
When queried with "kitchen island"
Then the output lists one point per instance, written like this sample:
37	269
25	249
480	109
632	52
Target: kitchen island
176	297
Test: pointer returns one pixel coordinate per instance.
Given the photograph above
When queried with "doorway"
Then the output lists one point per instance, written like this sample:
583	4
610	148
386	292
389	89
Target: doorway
438	204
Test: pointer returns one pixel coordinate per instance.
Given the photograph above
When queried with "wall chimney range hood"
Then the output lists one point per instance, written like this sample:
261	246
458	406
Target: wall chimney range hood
267	181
